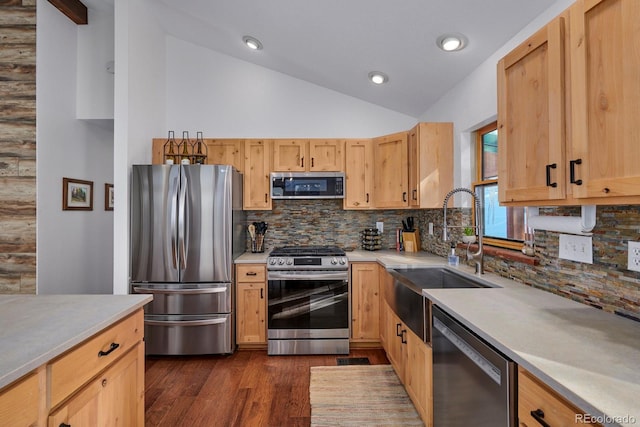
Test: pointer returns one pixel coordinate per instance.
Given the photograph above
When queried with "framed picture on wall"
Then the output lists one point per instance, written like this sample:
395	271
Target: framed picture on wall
77	195
108	197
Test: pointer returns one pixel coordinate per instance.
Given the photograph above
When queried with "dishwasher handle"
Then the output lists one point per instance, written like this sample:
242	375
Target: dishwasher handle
487	367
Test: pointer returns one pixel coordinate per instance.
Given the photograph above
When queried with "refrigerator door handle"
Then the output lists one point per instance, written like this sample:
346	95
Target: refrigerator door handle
173	224
197	291
185	322
182	221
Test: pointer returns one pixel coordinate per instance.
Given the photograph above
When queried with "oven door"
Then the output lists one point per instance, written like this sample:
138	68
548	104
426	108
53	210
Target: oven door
308	304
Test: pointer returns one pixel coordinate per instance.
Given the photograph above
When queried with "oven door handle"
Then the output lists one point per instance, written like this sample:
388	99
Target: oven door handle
333	275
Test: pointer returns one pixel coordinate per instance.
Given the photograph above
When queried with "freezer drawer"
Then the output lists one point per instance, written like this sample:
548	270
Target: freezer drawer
189	335
186	298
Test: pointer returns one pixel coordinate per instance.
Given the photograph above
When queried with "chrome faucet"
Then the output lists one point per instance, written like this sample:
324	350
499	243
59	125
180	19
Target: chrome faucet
477	257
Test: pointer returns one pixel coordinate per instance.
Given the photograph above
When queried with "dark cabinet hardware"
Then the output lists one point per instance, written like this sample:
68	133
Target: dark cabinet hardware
415	194
251	273
112	347
398	332
64	425
538	415
261	293
367	197
549	183
404	196
572	171
265	197
301	161
403	336
312	162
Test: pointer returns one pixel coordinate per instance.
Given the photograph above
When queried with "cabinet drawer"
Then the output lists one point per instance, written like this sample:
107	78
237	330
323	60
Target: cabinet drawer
251	273
533	395
19	402
70	371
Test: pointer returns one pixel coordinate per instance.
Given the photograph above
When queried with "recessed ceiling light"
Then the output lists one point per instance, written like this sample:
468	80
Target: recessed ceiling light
378	77
451	42
252	42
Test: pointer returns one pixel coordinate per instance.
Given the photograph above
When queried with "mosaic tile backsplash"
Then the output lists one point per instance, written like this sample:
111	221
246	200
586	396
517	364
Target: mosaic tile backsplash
606	284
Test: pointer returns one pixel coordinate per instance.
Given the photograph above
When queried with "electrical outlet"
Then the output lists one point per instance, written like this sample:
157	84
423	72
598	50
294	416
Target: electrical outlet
633	261
576	248
380	226
431	228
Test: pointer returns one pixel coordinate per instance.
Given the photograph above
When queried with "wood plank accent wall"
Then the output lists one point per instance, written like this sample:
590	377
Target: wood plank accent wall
18	146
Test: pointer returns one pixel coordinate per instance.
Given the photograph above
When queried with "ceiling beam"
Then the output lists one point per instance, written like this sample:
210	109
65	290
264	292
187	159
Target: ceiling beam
74	9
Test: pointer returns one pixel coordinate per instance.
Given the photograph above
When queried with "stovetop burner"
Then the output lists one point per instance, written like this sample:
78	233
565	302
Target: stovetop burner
293	251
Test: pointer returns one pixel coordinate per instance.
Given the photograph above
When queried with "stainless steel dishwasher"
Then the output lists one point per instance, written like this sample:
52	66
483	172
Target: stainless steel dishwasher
473	384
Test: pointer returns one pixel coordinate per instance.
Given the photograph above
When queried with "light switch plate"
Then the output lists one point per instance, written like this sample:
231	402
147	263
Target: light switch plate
633	260
430	228
576	248
380	226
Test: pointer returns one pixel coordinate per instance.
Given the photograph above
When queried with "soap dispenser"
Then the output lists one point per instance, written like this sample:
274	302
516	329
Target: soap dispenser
453	259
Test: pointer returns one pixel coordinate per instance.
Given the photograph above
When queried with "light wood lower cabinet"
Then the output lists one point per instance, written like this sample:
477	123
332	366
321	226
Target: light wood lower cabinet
537	400
251	304
365	302
100	382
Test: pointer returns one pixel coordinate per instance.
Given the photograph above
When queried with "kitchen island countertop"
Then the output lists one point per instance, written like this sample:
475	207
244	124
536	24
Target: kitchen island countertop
37	328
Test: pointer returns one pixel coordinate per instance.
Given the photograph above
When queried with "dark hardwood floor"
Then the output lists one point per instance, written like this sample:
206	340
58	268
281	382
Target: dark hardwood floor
247	388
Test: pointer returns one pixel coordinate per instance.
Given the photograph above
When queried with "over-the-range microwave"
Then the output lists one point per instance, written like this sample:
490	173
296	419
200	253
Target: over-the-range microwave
307	185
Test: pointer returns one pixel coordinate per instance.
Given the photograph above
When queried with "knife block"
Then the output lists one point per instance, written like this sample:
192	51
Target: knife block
411	241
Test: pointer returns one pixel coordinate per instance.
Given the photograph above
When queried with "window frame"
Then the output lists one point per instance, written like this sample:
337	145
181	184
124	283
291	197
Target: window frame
479	181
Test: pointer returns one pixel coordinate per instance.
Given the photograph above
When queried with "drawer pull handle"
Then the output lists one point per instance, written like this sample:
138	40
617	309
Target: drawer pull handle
549	183
112	347
403	335
64	425
398	332
538	415
251	273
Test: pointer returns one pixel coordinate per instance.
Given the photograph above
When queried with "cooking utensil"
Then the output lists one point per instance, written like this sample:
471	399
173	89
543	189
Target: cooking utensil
252	231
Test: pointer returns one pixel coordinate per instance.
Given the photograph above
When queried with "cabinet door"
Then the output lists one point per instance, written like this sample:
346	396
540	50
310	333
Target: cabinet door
396	333
290	156
326	155
19	402
251	304
365	301
225	152
359	174
257	167
114	398
430	160
418	376
531	118
390	171
605	98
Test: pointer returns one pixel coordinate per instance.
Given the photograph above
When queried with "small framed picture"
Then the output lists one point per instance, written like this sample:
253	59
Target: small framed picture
77	195
108	197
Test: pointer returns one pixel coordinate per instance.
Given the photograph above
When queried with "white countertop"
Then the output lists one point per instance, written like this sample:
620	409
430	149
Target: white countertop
35	329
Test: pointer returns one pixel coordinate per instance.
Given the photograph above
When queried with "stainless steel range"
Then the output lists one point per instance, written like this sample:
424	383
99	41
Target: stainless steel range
308	300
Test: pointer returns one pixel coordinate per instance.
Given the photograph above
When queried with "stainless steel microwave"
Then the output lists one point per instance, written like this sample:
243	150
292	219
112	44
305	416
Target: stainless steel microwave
307	185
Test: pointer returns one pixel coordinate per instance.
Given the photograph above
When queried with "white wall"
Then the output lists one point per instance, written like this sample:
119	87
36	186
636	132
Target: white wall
139	113
229	98
473	102
74	248
94	97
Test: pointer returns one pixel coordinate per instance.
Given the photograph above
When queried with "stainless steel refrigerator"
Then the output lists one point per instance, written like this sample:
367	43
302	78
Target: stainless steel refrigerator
187	227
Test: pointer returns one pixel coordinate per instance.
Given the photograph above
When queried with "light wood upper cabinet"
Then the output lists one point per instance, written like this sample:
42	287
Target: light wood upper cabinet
365	301
391	178
257	169
567	110
308	155
531	119
225	152
605	98
359	174
430	163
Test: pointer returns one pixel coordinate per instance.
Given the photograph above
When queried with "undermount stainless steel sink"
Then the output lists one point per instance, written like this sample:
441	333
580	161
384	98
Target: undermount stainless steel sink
435	278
